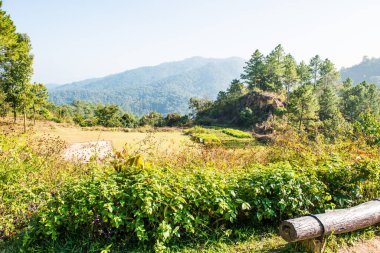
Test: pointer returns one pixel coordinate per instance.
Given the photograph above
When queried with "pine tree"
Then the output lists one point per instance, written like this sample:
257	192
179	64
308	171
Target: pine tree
274	69
253	71
304	73
303	106
328	104
290	72
315	66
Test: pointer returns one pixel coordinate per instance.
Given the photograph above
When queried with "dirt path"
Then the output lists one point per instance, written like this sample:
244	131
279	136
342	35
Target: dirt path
85	150
370	246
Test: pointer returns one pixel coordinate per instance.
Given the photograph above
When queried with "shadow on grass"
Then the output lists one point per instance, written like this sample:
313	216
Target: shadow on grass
234	239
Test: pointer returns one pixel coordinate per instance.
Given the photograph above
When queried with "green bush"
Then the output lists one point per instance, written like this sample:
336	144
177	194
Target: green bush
236	133
350	185
278	191
368	126
21	192
145	205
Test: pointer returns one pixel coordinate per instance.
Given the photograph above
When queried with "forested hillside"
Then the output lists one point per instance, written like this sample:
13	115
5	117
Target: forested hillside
368	70
164	88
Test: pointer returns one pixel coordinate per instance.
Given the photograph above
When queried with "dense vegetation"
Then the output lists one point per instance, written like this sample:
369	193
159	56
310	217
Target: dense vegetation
88	114
160	203
321	152
277	94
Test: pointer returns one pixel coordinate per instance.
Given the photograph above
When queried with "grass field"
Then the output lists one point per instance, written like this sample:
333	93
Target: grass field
135	140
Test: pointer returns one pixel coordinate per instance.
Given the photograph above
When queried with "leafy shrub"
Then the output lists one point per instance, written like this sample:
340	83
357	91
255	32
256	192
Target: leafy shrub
236	133
368	126
350	185
147	205
22	186
278	191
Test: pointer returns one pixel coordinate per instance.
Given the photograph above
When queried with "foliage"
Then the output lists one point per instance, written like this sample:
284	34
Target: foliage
158	206
303	106
236	133
108	115
278	191
152	119
369	127
361	98
153	206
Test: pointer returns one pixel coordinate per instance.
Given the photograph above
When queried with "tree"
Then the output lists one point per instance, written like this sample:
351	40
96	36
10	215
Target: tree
315	66
152	119
303	106
364	97
17	73
328	73
274	69
198	105
254	70
8	38
347	84
38	97
173	119
328	104
8	41
129	120
304	73
108	115
236	87
290	72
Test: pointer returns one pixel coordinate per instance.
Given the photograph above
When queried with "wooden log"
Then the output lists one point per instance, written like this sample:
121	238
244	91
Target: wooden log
337	222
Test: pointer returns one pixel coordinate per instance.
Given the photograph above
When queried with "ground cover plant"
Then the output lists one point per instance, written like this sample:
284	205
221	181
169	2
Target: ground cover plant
159	205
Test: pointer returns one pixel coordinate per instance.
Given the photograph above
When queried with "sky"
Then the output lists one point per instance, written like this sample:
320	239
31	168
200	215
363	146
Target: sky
79	39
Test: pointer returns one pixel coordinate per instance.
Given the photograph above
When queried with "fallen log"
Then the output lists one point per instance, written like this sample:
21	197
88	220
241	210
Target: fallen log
337	222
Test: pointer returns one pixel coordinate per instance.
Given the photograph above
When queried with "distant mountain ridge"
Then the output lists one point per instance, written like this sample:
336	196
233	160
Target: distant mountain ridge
367	70
163	88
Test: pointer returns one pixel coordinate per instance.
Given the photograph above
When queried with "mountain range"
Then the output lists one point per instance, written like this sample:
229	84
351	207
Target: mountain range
167	87
164	88
367	70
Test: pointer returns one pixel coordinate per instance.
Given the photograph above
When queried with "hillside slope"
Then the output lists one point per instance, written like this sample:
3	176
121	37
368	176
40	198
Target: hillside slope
368	70
164	88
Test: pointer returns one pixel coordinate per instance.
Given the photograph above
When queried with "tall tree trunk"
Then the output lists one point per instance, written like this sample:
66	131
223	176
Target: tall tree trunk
14	113
24	119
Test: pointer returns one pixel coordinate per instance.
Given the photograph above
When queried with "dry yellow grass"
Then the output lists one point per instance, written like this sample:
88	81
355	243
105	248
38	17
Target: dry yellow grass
162	141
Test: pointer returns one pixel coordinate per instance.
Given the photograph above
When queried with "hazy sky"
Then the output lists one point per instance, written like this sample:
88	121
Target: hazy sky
78	39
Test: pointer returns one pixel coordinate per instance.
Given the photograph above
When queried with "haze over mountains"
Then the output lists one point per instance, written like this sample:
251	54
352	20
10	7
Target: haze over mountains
168	87
368	70
163	88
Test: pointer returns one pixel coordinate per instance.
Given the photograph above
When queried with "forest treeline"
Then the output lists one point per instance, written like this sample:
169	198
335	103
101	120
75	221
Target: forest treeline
274	93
